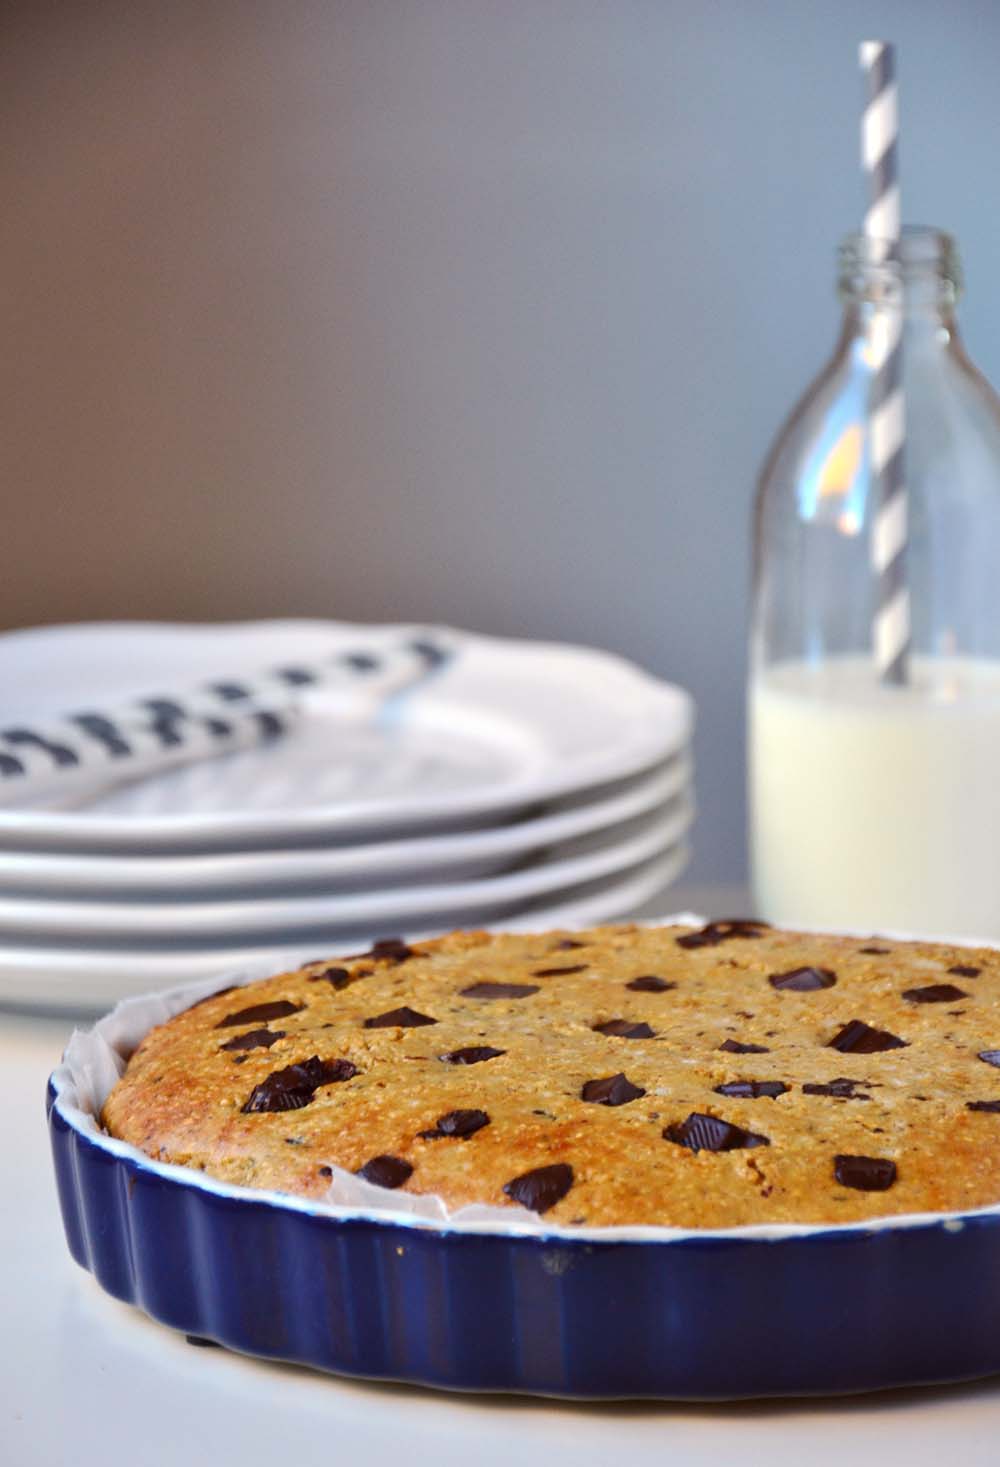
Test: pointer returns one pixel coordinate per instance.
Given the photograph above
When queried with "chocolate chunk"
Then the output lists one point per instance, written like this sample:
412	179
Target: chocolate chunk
541	1188
500	990
752	1089
614	1090
715	932
472	1054
386	950
386	1171
326	1171
880	950
991	1056
934	993
649	983
803	980
261	1013
624	1029
566	944
864	1173
553	972
403	1018
841	1089
390	950
337	977
962	970
710	1133
294	1087
857	1037
733	1046
255	1039
990	1105
461	1123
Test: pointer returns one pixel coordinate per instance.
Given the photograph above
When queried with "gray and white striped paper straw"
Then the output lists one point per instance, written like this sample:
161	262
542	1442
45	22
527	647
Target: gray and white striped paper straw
59	758
886	407
150	735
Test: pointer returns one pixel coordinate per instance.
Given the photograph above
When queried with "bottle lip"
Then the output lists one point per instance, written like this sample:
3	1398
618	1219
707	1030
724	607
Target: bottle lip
876	269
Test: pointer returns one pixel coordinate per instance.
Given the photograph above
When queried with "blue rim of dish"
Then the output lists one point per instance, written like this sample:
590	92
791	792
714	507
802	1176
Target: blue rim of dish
529	1308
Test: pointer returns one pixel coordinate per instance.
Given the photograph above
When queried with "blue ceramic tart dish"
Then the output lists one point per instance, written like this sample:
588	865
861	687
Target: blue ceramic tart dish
586	1313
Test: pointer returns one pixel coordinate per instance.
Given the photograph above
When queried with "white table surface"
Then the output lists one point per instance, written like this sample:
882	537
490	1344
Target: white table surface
88	1382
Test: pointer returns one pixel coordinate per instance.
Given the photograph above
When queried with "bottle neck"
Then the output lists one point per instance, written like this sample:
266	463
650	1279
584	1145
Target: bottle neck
927	323
917	276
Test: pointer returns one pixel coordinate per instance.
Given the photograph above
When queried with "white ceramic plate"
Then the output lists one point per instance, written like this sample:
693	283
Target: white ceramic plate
503	726
589	858
86	978
464	856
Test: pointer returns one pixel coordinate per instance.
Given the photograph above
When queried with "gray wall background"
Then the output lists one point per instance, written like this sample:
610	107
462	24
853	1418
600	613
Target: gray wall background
481	311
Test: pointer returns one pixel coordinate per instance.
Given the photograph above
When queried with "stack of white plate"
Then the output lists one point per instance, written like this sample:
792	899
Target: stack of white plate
523	784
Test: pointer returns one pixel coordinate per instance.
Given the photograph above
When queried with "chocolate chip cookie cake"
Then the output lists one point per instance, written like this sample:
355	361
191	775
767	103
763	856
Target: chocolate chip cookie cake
712	1077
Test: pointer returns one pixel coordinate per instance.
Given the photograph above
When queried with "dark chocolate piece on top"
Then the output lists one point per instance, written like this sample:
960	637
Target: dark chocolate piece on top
934	993
459	1123
295	1085
840	1089
624	1029
803	980
752	1089
542	1187
701	1132
337	977
721	931
865	1173
261	1013
650	983
500	990
472	1054
386	1171
401	1018
255	1039
613	1090
857	1037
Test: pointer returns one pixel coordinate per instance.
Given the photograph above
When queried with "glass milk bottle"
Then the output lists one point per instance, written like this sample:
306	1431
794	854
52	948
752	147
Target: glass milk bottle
876	807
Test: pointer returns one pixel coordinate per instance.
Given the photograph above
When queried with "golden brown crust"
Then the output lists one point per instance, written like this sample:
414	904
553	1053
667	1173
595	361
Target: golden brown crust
183	1095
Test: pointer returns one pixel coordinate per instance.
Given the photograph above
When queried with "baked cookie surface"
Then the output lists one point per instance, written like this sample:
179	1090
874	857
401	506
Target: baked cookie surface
714	1077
